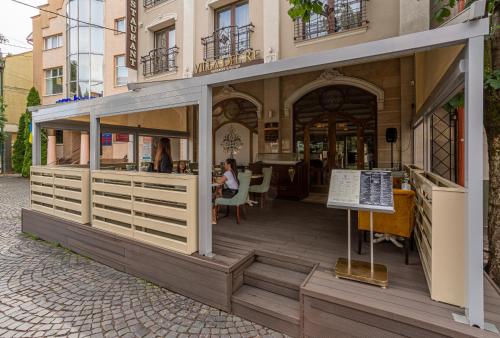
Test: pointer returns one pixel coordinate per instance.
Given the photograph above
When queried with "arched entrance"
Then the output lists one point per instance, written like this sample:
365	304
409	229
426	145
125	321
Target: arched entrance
335	126
235	130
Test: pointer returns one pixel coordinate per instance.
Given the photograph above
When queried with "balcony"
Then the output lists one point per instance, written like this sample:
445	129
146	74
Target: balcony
160	60
337	17
151	3
227	41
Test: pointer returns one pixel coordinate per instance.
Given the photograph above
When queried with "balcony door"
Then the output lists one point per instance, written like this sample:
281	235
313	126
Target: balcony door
164	40
228	21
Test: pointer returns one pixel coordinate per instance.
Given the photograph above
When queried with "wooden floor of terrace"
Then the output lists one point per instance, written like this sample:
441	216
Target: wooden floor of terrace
312	232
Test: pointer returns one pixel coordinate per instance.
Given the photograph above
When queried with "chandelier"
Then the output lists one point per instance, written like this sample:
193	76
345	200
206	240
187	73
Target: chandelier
231	143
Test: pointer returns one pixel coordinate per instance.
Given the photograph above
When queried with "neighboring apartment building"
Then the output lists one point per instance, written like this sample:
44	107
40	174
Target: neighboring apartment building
78	54
17	80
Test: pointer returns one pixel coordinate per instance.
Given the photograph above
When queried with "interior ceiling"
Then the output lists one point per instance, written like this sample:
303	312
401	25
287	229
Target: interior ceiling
236	110
351	105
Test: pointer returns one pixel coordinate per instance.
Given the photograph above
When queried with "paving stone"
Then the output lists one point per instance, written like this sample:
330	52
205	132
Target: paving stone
47	291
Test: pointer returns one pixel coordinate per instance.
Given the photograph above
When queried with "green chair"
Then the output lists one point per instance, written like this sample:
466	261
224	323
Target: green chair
263	188
240	198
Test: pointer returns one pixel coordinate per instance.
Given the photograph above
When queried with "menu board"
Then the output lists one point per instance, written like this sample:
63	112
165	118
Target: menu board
361	190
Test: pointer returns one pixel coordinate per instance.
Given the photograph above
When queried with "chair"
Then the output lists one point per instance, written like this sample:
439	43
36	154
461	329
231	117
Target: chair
399	224
240	198
263	188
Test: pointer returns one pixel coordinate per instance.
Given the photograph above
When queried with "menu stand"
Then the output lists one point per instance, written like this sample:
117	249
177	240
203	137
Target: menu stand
371	273
363	190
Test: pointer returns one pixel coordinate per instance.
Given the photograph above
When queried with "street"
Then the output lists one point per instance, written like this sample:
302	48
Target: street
48	291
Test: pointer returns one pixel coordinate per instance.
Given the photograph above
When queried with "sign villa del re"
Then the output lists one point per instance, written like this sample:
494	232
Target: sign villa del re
246	58
131	50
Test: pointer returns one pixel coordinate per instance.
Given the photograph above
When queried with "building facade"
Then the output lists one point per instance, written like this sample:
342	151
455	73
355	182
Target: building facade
17	80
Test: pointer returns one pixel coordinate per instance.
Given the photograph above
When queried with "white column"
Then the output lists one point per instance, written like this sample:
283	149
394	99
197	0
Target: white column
474	182
205	172
51	147
271	29
84	148
95	142
36	144
188	40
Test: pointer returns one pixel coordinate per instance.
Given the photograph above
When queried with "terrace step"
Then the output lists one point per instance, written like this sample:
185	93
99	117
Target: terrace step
274	279
267	308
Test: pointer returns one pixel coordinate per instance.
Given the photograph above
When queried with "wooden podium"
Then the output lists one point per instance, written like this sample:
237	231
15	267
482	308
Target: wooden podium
366	190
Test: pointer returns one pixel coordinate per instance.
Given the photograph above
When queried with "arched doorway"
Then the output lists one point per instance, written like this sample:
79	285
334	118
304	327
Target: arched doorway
335	126
235	119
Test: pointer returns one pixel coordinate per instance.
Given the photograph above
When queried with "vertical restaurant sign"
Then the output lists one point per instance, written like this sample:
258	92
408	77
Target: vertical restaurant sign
131	50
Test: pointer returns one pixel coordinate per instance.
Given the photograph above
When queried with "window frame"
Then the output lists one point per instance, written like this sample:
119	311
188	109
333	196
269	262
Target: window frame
59	41
115	70
232	8
60	74
167	30
117	30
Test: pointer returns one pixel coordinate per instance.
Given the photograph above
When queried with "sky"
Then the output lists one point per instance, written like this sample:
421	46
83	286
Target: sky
15	24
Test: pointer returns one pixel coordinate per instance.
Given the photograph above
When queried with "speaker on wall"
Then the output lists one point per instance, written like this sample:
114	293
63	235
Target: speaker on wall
391	135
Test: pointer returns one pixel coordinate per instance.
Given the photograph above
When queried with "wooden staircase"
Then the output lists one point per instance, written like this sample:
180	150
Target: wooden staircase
268	292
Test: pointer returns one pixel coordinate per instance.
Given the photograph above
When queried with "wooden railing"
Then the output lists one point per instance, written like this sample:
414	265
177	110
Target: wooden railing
439	234
159	209
61	191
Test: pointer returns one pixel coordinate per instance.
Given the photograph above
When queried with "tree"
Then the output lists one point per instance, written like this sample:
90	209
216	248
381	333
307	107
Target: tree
304	8
491	125
3	134
18	151
32	100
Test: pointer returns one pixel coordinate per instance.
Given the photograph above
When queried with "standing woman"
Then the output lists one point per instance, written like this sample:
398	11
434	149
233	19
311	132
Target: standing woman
163	159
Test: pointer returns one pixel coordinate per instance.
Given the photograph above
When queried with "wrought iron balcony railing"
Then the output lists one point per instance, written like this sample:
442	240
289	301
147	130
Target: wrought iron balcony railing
152	3
338	16
227	41
159	60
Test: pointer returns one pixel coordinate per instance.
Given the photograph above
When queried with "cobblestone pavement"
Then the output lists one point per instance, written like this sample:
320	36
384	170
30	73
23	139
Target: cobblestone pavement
47	291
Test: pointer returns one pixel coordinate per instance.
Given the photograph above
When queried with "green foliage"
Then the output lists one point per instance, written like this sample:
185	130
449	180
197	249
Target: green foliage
456	102
32	100
492	80
18	151
3	134
444	11
304	8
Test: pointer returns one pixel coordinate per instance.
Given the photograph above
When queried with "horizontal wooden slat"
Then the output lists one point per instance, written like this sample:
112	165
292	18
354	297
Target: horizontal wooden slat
162	242
160	210
163	195
116	216
76	195
116	229
42	208
68	215
112	201
42	189
68	183
42	199
42	179
168	228
68	205
112	188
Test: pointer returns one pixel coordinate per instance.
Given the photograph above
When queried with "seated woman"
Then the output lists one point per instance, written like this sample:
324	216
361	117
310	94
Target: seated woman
181	167
163	159
229	183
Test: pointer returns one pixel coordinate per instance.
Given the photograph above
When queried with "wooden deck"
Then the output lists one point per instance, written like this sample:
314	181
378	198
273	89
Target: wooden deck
317	234
275	268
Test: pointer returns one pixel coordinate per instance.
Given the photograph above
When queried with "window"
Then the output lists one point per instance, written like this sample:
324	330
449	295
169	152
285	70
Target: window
229	22
120	25
165	38
59	136
121	72
54	81
54	41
